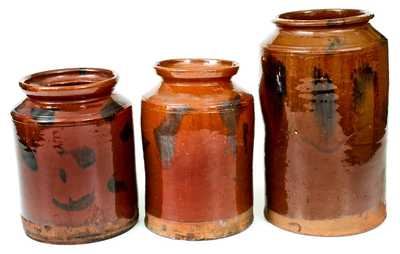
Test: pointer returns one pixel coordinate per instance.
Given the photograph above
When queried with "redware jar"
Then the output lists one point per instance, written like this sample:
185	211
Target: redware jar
197	131
76	156
324	95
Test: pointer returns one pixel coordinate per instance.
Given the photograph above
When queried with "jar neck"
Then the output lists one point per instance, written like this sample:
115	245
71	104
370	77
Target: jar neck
72	85
196	74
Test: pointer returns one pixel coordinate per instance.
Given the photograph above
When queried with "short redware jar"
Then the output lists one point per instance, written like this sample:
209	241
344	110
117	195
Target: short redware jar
75	150
197	131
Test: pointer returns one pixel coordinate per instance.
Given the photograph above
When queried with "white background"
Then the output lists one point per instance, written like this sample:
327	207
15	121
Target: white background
129	37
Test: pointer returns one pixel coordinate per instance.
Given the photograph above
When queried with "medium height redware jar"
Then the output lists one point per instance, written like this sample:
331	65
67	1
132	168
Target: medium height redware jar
197	131
324	96
76	157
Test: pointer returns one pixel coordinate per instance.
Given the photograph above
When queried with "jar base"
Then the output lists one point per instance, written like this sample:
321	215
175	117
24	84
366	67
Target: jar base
346	225
77	235
199	230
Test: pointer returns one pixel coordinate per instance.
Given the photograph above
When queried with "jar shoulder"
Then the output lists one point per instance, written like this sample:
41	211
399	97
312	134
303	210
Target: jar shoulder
209	100
325	40
68	112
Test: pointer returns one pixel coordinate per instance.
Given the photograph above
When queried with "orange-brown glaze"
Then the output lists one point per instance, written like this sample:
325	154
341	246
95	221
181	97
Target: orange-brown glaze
76	156
324	96
197	131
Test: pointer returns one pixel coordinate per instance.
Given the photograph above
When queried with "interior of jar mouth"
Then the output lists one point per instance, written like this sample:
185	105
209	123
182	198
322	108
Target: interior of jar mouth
193	65
68	78
322	17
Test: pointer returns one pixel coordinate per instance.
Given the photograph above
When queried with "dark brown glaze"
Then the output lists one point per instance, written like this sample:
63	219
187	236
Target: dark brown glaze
324	97
76	157
198	132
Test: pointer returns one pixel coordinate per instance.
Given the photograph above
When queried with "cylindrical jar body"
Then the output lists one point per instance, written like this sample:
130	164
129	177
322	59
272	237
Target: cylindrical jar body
324	96
76	157
197	131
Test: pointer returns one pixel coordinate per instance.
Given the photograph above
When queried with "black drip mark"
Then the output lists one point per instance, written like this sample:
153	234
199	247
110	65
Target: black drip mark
110	109
84	156
367	122
60	150
44	115
145	143
58	143
362	78
324	100
82	72
275	73
334	43
165	134
28	156
127	131
246	137
75	205
63	175
114	185
229	112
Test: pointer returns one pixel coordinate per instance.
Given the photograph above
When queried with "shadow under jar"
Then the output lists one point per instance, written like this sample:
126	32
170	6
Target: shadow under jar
324	97
76	157
198	131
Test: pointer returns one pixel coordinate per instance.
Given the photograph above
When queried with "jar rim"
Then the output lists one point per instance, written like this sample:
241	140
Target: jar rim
69	82
196	68
323	17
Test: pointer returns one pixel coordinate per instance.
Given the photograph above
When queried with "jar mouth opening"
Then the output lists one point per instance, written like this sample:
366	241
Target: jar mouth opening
196	68
323	18
69	82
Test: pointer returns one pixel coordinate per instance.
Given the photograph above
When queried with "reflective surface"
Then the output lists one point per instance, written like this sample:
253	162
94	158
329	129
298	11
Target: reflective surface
77	168
198	143
324	96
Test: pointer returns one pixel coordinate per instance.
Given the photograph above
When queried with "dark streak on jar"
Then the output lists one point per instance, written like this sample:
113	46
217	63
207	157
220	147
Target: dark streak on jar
165	134
324	100
275	75
110	109
229	112
84	156
334	43
28	156
63	175
127	131
43	115
363	78
82	71
75	205
145	143
115	186
273	93
60	150
369	123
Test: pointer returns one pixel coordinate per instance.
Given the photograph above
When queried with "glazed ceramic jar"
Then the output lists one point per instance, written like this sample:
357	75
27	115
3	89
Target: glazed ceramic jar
76	157
324	96
197	131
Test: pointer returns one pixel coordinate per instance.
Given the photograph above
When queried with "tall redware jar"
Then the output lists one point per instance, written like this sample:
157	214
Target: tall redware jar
76	157
197	131
324	96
